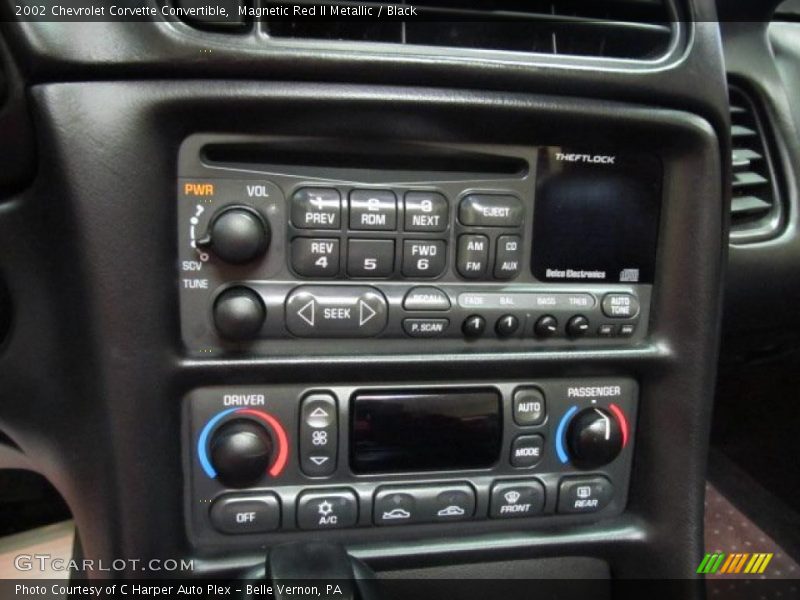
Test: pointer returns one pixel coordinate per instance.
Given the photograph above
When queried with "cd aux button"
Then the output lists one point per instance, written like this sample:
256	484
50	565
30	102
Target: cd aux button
508	259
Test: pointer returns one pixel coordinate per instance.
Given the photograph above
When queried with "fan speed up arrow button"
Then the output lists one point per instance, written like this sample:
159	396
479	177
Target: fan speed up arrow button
336	311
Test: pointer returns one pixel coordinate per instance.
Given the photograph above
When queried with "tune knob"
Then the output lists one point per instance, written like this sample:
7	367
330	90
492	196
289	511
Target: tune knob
239	314
594	438
241	451
237	234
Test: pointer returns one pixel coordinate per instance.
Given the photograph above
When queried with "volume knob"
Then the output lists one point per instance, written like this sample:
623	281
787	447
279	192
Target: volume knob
237	235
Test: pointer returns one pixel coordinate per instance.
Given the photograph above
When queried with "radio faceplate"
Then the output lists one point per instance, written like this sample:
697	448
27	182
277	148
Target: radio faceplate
275	256
345	458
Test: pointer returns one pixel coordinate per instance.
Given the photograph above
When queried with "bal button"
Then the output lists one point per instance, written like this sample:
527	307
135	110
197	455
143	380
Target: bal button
506	325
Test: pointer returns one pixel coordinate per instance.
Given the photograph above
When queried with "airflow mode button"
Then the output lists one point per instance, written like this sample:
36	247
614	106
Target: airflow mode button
336	311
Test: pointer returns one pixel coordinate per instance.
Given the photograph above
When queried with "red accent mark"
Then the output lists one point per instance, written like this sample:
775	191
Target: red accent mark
623	422
283	442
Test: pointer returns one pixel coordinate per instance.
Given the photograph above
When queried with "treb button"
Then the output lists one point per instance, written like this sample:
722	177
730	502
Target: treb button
246	513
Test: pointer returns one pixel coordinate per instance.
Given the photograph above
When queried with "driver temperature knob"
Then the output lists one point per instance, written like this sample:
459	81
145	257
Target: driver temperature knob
241	451
594	438
237	235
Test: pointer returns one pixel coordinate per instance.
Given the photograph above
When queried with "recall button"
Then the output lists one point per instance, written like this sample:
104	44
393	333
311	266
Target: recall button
620	306
336	311
425	327
426	298
246	514
491	210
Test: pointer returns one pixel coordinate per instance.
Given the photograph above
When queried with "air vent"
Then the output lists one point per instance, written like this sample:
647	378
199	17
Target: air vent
755	206
631	29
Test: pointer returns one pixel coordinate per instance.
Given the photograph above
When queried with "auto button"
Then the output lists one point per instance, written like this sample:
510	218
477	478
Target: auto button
336	311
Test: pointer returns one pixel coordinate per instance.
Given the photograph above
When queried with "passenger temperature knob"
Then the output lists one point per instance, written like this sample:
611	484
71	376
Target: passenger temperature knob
237	235
241	451
594	438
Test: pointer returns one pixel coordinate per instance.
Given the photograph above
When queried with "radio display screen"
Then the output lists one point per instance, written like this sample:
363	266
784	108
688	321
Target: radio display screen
595	217
402	431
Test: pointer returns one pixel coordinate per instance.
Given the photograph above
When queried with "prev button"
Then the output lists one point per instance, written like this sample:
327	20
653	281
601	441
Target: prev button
336	311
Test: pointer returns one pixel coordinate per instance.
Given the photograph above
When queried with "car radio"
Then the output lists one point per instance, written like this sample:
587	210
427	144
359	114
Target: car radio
287	459
286	243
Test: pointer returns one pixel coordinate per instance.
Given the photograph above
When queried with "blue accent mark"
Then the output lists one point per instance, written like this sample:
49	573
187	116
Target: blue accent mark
203	441
562	454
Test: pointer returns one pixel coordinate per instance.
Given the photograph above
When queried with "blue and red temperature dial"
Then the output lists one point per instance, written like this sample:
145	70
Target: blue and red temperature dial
239	446
591	437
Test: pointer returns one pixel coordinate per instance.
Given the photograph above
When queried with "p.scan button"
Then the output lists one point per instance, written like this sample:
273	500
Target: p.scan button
336	311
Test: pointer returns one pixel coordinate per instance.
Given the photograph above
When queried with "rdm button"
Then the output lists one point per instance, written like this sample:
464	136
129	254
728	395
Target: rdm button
336	311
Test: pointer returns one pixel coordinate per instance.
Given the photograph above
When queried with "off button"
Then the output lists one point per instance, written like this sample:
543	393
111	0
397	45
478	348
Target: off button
246	514
336	311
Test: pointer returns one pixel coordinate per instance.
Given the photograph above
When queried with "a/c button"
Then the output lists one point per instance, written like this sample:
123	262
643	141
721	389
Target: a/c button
246	514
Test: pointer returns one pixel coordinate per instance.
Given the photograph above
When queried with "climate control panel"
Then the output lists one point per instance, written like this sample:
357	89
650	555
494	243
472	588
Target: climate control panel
541	252
281	460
